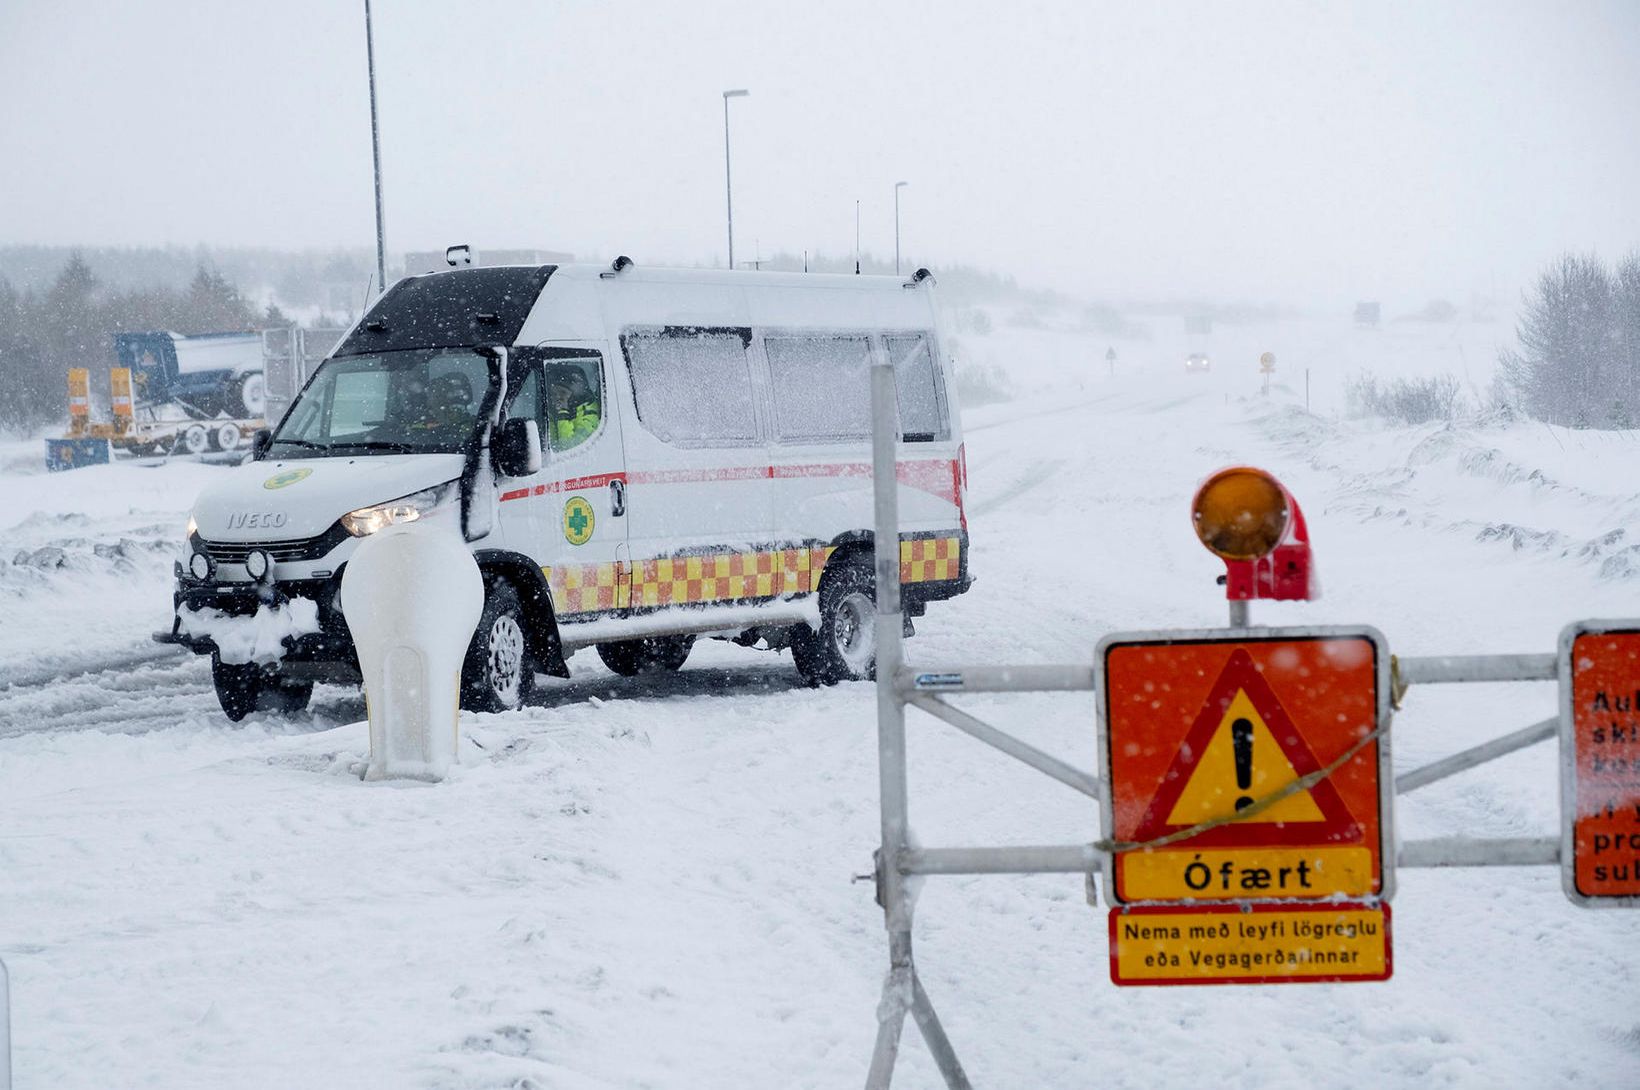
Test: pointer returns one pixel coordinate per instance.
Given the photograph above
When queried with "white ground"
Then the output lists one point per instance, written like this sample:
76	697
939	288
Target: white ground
642	884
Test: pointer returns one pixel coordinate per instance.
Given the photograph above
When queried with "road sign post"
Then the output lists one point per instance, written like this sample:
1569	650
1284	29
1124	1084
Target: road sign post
1600	762
1266	367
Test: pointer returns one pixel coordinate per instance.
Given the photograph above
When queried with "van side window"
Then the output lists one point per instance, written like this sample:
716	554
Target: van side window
693	386
917	384
526	402
822	385
575	400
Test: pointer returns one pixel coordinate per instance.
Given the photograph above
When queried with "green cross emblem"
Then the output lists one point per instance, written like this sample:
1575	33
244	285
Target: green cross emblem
578	520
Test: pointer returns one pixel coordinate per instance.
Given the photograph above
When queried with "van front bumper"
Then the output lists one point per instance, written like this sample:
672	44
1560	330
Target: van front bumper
326	655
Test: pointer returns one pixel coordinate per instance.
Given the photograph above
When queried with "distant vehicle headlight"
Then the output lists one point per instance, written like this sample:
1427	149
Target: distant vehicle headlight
367	520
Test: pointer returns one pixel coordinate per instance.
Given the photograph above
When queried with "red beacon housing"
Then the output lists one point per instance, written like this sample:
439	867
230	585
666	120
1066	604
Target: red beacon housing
1248	519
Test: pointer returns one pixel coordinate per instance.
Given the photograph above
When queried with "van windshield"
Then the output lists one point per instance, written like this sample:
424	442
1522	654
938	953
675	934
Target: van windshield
422	401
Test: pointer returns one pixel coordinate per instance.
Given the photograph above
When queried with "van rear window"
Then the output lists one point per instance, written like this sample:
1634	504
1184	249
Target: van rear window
693	385
923	417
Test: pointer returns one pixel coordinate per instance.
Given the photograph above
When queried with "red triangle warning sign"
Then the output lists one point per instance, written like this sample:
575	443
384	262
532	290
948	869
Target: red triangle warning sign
1243	747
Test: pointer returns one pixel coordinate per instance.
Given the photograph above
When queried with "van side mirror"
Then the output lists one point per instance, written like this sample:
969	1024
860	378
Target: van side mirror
516	449
261	440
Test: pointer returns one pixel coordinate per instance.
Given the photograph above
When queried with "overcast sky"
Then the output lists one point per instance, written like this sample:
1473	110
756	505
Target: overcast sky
1302	152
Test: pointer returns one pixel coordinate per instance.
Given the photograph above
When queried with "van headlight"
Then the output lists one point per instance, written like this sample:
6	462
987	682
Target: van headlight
367	520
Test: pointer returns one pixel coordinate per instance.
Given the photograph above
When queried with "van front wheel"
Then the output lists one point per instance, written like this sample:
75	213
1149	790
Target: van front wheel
499	672
845	647
650	655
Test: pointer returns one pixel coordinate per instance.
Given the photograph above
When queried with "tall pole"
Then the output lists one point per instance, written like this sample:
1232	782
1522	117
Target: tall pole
375	153
856	238
728	184
897	187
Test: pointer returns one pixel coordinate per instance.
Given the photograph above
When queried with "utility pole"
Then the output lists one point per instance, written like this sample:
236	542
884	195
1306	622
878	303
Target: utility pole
728	183
856	238
375	152
897	187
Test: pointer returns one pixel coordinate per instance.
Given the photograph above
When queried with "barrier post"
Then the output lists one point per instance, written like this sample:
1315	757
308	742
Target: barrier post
120	402
412	595
902	991
79	401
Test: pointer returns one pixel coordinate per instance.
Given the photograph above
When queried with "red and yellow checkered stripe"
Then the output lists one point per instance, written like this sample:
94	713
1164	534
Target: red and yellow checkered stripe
930	559
719	577
726	576
589	588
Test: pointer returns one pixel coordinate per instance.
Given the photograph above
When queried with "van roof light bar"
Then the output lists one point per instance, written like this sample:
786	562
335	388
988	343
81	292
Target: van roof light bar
616	267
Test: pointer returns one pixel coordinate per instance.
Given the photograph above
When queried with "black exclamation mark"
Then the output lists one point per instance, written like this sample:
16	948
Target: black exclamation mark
1241	745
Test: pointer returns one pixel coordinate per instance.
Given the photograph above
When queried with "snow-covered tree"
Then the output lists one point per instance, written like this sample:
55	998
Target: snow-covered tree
1568	368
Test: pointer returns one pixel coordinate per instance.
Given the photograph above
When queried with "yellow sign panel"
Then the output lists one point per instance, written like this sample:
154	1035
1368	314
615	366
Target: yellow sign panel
1270	944
1242	762
1246	873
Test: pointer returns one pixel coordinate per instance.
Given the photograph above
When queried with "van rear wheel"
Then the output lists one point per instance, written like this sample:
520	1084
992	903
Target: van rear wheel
498	673
650	655
845	647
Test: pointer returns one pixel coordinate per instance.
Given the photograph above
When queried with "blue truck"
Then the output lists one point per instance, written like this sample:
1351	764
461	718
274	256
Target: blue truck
206	376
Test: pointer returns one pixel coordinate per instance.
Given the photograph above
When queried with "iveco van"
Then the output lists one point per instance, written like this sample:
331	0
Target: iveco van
637	458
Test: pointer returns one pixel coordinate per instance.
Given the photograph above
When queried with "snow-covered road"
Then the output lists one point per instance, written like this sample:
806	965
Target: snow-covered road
649	885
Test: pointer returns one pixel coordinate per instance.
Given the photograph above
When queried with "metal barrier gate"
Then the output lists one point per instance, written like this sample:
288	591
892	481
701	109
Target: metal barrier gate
926	689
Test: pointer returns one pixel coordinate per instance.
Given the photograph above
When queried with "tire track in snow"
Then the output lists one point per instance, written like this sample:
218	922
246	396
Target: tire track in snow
1036	474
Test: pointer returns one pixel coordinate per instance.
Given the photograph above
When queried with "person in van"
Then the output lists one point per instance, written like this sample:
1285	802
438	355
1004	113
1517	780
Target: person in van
449	403
575	408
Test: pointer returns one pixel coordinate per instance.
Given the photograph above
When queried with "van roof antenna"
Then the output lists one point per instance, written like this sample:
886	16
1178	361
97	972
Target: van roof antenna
616	267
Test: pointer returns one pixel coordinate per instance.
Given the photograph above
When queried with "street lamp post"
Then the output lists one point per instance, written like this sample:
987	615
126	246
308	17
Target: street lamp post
897	187
728	186
375	153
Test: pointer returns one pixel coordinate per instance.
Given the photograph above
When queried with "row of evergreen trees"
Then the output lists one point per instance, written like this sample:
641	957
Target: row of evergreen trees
71	323
1578	362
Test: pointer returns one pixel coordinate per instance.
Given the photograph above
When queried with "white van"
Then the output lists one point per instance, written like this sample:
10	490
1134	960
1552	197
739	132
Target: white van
637	457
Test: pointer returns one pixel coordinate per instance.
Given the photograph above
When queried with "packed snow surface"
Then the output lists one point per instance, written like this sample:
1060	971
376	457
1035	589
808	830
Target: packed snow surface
649	883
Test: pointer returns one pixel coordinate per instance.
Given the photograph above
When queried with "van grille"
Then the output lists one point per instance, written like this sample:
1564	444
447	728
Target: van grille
282	552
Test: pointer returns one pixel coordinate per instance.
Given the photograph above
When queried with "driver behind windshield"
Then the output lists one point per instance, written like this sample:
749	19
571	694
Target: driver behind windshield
446	404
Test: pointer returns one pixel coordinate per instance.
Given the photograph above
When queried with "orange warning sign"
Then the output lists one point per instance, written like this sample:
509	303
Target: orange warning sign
1600	754
1264	747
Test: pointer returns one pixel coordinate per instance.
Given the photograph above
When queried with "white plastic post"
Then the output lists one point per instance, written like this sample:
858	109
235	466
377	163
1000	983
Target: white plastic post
5	1029
412	595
